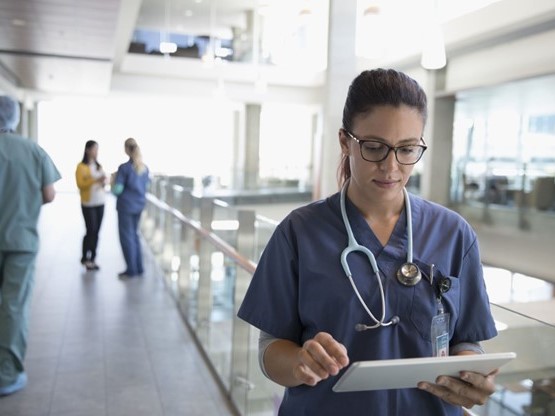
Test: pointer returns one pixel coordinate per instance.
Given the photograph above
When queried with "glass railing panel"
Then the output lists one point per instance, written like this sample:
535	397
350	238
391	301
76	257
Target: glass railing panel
219	341
195	208
188	281
526	385
225	223
526	295
524	311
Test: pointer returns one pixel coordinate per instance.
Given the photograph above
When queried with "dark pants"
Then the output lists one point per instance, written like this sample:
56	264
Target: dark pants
93	220
128	225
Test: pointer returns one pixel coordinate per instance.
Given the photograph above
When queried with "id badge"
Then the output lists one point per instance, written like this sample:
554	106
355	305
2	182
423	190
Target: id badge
440	335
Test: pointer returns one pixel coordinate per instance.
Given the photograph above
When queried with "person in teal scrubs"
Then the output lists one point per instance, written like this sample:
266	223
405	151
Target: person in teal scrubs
27	175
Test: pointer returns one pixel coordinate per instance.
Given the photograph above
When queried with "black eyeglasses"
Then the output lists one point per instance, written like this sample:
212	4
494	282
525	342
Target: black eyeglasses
376	151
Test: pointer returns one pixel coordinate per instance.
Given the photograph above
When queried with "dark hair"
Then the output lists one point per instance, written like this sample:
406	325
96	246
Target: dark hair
88	145
379	87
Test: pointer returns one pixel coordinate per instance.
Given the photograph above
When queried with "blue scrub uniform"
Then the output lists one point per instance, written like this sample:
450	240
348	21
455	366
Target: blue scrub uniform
131	201
299	289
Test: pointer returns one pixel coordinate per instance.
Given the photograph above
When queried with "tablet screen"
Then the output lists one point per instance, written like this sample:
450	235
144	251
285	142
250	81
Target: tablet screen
406	373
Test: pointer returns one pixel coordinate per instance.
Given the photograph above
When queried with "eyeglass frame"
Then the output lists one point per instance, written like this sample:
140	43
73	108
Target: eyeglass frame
389	148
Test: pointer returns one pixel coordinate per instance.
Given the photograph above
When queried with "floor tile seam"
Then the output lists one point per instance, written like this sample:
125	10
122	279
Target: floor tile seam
147	253
59	356
104	289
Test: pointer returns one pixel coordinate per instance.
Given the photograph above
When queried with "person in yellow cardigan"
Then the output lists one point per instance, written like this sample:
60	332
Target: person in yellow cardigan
90	178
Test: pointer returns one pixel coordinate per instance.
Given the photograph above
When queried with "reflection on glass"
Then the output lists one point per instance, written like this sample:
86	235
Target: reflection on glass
221	316
504	146
524	386
506	287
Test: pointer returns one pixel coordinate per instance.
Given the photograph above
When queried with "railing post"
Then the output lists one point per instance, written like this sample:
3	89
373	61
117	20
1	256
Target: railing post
240	384
166	243
158	240
204	295
172	276
523	222
185	252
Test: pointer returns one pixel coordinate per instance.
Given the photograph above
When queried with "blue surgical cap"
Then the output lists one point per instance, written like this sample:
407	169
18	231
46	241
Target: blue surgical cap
9	113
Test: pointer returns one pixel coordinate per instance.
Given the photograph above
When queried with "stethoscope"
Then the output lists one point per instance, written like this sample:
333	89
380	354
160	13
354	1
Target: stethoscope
408	274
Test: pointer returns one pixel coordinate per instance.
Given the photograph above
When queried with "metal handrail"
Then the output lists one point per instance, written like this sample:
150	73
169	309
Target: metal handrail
243	262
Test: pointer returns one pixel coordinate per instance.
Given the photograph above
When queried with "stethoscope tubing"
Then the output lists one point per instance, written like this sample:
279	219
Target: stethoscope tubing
353	246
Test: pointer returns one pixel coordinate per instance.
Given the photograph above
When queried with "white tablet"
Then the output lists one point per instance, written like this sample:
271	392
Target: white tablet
406	373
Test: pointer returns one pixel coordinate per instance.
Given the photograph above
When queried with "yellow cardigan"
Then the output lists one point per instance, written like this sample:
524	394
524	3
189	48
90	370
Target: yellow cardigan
84	180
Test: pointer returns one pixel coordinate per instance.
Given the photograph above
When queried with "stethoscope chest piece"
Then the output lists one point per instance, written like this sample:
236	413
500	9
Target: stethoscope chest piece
409	274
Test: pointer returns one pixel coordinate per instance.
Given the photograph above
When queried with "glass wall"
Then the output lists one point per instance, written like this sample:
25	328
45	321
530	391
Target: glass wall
283	33
504	146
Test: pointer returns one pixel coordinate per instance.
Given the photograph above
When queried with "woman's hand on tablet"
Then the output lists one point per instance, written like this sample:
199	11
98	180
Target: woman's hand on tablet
469	390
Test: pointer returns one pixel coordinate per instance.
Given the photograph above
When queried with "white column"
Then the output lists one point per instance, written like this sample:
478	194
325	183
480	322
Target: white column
237	172
252	146
436	175
340	72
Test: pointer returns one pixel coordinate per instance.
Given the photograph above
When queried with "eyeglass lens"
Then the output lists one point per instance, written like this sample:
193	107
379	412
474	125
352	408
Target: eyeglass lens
376	152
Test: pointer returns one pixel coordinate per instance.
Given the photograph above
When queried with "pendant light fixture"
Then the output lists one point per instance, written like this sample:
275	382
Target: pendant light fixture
166	47
433	51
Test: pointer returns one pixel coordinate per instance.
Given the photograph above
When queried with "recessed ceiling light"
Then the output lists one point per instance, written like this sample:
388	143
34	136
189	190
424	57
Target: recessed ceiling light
188	13
168	47
18	22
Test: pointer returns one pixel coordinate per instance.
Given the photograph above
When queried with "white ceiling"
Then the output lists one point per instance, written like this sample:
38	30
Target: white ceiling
76	46
73	46
56	45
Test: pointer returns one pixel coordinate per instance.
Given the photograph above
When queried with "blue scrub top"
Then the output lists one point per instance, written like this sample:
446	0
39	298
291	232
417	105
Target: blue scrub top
299	289
133	197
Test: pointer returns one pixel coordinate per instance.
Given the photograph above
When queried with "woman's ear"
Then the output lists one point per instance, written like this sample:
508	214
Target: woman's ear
344	142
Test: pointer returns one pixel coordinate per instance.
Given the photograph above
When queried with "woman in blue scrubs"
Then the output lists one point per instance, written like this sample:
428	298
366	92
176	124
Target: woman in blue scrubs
313	324
130	186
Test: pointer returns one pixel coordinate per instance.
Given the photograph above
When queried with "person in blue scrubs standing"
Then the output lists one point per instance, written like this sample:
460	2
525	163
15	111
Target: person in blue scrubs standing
312	322
27	176
130	185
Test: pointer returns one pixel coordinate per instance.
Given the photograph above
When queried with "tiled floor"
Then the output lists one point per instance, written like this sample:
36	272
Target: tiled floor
99	346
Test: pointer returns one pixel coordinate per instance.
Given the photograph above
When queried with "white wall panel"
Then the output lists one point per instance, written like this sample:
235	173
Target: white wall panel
523	58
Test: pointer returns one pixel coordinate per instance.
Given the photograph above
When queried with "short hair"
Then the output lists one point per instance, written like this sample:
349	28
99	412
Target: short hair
9	113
